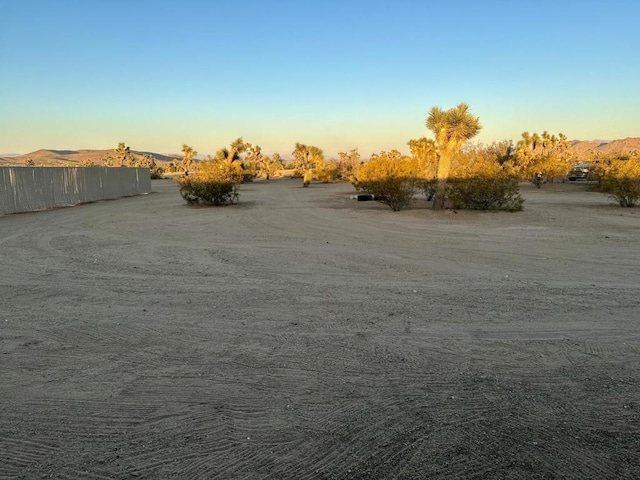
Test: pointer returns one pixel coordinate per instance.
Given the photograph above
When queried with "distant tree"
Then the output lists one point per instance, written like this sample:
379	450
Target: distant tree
188	158
174	166
123	155
148	161
305	158
501	152
452	128
233	152
233	155
538	158
107	160
30	162
327	171
349	165
254	161
87	162
272	165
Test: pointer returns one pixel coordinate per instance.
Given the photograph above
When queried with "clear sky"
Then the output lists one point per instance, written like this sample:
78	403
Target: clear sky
336	74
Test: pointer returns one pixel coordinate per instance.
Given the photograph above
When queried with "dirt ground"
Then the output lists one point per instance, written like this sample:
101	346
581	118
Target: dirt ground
304	335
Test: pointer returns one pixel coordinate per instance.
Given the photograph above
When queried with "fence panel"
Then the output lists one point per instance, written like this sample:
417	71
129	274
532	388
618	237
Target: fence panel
27	189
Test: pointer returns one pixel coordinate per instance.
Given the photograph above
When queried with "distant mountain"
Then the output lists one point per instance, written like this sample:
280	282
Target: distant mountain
585	148
582	148
71	157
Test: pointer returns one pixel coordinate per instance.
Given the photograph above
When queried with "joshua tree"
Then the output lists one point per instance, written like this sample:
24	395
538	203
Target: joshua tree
123	154
107	160
305	158
254	160
188	155
542	157
232	153
451	128
349	165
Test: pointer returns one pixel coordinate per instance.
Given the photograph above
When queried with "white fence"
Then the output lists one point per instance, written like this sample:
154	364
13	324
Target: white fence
27	189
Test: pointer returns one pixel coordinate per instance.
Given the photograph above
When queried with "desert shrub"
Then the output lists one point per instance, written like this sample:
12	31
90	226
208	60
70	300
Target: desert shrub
596	173
247	177
485	192
207	192
214	182
397	193
156	173
306	180
390	178
621	180
327	172
481	182
147	161
220	170
348	166
428	187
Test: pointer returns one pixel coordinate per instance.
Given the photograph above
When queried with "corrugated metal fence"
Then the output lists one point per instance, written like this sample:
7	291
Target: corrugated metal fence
26	189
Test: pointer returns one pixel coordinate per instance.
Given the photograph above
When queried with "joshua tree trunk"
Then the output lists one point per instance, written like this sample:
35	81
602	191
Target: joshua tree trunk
444	163
452	128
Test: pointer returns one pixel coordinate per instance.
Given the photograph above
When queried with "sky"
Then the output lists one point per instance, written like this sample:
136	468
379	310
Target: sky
339	75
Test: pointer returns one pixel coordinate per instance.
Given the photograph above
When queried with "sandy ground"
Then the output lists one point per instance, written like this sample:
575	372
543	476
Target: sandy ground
304	335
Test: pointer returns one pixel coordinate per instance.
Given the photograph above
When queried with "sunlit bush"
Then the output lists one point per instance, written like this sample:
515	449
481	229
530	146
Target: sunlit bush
390	178
306	179
540	158
207	192
348	166
327	172
621	180
222	170
485	192
214	182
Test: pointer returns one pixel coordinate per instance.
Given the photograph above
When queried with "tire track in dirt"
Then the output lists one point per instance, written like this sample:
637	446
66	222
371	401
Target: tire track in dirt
215	345
19	455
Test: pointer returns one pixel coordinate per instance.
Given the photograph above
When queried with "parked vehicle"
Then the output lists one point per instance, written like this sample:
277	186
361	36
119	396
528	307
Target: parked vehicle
580	171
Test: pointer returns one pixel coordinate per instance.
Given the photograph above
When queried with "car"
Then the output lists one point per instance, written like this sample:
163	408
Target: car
579	171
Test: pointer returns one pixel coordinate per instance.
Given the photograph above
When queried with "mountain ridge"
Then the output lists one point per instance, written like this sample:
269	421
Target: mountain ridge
51	157
624	145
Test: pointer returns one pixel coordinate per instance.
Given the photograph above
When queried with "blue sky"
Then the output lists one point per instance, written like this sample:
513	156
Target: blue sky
336	74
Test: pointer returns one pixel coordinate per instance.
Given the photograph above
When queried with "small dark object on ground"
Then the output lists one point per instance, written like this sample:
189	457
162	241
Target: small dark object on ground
363	197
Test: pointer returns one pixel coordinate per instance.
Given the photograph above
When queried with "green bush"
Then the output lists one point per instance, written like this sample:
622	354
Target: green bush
390	178
621	180
625	190
156	173
214	182
327	172
207	192
485	192
396	192
428	187
306	181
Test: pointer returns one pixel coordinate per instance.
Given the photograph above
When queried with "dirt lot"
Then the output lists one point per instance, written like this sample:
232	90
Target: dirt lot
304	335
